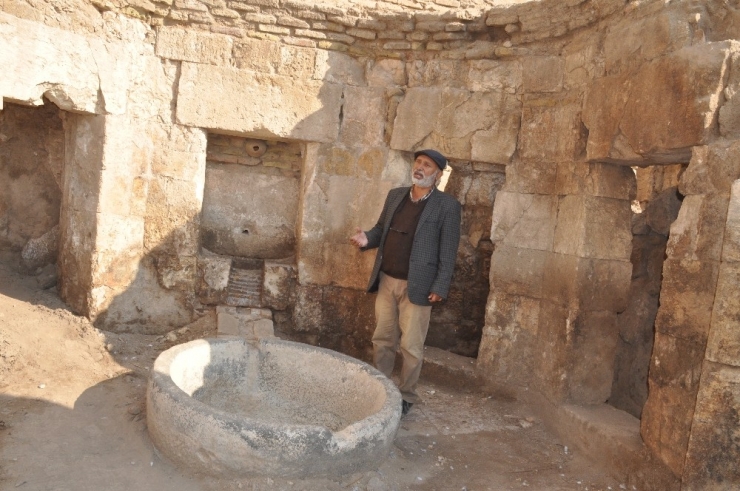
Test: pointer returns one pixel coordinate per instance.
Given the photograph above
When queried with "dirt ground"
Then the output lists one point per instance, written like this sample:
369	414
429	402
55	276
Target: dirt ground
72	419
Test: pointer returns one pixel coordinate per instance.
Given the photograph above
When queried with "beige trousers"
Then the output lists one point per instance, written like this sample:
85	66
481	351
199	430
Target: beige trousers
396	317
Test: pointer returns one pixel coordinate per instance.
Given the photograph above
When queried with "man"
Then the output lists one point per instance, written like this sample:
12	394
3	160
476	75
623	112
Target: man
417	236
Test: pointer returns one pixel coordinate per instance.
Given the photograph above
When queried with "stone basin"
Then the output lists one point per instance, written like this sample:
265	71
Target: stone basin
228	407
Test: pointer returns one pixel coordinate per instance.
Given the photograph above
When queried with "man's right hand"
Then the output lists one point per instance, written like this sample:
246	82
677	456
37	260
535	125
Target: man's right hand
359	239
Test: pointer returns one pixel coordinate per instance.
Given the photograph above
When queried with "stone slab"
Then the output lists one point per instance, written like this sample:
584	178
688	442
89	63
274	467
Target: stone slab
260	105
177	43
713	169
526	221
697	234
723	345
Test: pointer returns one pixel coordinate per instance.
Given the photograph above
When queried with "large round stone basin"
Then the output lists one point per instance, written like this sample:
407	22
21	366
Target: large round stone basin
227	407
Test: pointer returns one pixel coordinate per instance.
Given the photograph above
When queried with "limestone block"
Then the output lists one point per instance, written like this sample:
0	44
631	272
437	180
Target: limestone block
385	73
583	62
684	86
686	298
118	250
594	227
592	341
308	314
494	75
40	251
462	124
713	451
259	104
178	43
172	216
212	278
534	177
249	323
510	330
144	306
77	73
176	272
729	113
632	41
333	67
249	214
364	118
724	336
673	381
731	246
550	130
352	312
595	179
713	169
525	221
437	73
278	287
518	271
542	74
698	232
257	55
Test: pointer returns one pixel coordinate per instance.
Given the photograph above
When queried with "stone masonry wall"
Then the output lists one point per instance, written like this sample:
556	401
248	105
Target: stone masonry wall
566	95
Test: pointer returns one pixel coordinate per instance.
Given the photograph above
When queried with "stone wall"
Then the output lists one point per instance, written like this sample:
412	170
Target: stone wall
566	96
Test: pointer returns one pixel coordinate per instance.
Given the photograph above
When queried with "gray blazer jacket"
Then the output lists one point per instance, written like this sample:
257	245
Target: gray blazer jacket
434	249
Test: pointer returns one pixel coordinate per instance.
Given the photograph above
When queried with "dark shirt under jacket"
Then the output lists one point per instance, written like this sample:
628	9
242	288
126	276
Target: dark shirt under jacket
400	239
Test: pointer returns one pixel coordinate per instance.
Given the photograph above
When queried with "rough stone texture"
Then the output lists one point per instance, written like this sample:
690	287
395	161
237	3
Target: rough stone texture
277	409
76	73
724	336
177	43
711	461
248	323
213	278
712	170
626	121
674	376
42	250
462	124
278	289
266	106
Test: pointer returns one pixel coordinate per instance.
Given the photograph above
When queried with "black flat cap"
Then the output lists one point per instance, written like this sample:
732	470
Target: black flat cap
438	158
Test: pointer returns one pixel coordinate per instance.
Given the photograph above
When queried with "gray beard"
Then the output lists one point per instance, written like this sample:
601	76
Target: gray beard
426	182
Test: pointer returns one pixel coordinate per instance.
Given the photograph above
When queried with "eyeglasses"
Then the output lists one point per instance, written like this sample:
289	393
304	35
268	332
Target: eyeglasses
399	231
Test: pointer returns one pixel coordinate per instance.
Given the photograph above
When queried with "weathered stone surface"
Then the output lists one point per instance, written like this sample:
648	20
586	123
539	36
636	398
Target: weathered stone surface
714	447
462	124
674	376
364	118
724	336
278	288
386	73
542	74
248	323
40	251
525	221
177	43
249	213
594	227
77	73
213	278
686	298
333	67
729	113
518	271
631	42
731	245
590	284
494	75
511	327
594	179
713	169
259	104
698	232
630	124
550	130
525	176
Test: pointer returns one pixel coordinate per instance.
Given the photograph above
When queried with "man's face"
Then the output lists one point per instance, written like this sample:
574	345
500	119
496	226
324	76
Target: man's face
424	171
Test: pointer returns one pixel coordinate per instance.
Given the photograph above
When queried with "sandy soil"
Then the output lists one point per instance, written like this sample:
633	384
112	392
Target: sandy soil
72	418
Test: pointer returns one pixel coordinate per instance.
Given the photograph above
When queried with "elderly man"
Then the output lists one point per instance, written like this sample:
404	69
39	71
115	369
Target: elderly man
417	235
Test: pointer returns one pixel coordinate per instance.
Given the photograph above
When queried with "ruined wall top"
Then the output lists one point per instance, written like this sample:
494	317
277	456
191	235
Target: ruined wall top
463	29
